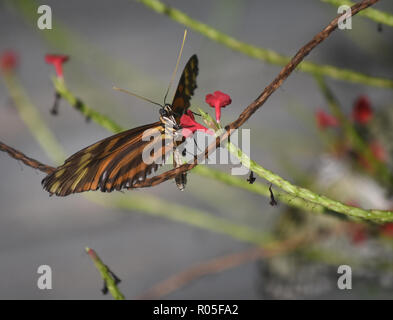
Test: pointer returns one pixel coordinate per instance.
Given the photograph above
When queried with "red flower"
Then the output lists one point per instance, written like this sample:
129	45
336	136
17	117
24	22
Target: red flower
362	160
218	100
8	61
358	237
325	120
387	230
378	151
362	111
189	125
57	60
358	234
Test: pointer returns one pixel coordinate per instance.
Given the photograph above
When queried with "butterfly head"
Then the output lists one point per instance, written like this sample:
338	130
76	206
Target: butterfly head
167	118
166	110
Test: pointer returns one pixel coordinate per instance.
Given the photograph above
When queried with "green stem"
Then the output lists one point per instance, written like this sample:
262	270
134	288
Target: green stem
266	55
102	120
371	13
105	275
372	214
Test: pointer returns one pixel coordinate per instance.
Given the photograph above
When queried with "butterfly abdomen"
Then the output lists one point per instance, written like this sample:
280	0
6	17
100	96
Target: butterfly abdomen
181	181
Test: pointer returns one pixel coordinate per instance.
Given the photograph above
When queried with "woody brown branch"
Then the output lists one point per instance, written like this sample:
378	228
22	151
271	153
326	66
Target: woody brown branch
229	261
262	98
219	264
25	159
216	265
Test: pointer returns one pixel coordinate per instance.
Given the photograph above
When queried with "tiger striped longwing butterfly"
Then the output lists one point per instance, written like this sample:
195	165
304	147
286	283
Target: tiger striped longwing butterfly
116	162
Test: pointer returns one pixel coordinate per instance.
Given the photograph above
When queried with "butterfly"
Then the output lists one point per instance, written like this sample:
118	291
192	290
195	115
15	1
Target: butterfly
118	162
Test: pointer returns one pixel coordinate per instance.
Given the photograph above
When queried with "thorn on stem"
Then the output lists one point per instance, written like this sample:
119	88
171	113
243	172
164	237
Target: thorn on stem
114	276
117	280
273	201
251	179
55	108
79	106
104	289
197	114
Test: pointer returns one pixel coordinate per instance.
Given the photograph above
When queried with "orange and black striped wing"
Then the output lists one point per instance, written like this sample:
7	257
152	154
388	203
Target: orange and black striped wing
185	88
111	164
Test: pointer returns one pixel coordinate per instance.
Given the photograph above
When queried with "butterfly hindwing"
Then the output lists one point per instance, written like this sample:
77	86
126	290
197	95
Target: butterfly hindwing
113	163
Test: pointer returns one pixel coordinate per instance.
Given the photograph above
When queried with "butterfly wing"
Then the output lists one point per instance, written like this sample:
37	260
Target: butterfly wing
113	163
185	88
116	162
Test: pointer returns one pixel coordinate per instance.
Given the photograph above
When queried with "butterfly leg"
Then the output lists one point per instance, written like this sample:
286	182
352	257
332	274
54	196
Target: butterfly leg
181	179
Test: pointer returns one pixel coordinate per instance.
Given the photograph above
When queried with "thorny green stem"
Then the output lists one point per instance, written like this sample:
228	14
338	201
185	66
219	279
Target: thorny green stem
105	275
372	214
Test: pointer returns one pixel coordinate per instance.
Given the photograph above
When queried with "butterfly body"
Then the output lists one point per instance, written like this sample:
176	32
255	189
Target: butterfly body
121	161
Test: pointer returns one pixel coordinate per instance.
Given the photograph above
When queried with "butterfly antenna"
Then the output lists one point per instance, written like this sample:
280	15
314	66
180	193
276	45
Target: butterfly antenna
177	65
136	95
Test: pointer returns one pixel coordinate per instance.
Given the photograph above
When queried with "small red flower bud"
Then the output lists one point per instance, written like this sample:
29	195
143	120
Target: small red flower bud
217	101
362	111
325	120
8	61
189	125
57	60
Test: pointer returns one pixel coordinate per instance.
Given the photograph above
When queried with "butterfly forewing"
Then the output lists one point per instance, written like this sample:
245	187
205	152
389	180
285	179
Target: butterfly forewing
185	89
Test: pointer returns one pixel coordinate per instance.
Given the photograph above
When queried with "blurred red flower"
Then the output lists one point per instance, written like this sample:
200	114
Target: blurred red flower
387	230
189	125
8	61
325	120
378	151
358	234
57	60
218	100
362	111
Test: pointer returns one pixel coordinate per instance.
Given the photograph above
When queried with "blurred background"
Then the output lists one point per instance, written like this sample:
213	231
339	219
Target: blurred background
124	43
